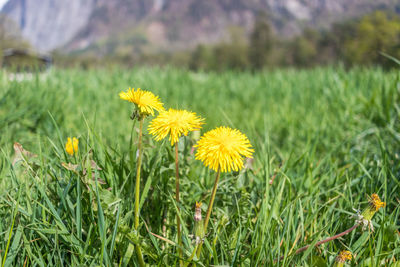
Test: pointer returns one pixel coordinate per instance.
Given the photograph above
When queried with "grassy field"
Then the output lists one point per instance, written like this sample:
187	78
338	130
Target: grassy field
325	139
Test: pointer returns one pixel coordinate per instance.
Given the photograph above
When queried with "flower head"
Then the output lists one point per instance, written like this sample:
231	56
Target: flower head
72	145
175	123
223	148
344	256
145	101
376	203
365	218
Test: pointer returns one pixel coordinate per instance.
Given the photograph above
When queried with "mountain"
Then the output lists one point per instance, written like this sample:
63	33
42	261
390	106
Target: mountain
48	24
169	24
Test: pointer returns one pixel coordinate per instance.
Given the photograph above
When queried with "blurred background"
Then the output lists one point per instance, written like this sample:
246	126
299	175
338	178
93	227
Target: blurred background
200	35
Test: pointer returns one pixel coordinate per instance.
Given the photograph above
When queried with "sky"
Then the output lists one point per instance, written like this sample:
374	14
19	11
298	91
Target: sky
2	2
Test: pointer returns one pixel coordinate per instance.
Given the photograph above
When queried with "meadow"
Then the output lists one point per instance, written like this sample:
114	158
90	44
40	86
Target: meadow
325	139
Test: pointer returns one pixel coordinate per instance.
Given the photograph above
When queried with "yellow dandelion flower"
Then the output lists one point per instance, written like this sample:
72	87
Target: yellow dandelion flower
344	256
376	203
72	145
223	148
175	123
145	101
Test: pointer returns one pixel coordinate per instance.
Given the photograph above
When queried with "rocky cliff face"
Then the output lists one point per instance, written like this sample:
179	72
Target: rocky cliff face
76	24
48	24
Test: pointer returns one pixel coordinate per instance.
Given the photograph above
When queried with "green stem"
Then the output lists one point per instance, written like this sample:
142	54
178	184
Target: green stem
210	205
178	221
137	194
325	240
191	256
328	239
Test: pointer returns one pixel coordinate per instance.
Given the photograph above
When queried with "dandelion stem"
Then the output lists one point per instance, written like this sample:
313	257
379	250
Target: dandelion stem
137	193
178	221
192	256
210	205
326	240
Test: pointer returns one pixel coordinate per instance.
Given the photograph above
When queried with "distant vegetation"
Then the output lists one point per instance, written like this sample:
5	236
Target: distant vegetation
13	47
361	41
354	42
10	36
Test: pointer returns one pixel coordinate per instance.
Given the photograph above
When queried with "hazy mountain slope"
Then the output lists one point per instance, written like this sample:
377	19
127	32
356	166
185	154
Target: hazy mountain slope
48	24
172	24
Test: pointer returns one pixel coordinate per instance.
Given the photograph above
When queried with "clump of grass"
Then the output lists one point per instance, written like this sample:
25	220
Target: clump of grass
324	139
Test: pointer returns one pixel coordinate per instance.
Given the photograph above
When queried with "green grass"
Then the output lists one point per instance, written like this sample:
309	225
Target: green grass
330	137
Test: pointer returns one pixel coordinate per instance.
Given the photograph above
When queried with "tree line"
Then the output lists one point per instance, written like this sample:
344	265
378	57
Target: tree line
363	41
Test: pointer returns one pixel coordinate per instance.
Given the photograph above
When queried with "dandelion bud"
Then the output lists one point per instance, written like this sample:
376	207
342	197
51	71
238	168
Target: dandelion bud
72	145
198	224
197	213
